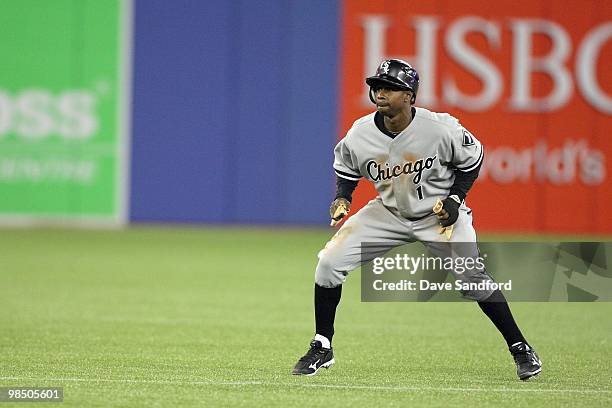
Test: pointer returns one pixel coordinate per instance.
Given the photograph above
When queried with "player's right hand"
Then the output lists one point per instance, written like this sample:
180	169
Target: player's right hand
339	208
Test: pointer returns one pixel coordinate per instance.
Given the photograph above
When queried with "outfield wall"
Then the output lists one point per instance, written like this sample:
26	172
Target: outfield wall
227	112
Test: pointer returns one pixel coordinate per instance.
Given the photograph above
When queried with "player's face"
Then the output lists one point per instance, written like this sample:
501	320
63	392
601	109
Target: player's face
390	100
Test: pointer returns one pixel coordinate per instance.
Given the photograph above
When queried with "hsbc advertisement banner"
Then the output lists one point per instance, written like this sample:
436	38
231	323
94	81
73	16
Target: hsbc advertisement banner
63	148
532	81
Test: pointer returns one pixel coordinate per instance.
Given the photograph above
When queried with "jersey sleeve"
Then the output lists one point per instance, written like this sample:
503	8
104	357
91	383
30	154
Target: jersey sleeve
345	162
466	151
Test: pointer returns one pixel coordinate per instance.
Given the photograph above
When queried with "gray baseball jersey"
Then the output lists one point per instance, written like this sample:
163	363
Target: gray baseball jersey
413	169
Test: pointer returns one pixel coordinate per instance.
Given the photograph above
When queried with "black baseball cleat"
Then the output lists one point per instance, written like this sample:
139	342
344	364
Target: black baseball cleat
528	363
317	357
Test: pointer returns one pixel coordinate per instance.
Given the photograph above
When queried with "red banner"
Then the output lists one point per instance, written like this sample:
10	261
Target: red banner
531	79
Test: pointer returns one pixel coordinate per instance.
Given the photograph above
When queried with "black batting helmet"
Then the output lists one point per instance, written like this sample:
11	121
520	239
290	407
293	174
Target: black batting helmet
396	73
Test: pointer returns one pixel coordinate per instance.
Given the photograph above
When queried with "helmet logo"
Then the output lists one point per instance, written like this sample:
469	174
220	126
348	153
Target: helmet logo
384	67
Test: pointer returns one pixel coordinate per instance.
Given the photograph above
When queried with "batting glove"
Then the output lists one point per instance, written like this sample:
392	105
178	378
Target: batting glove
340	207
450	211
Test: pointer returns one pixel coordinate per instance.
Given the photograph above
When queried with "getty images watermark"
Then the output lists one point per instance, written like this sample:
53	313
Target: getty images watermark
411	265
524	271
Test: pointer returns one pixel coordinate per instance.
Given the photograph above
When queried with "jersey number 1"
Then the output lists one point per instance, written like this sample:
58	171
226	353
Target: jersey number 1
419	191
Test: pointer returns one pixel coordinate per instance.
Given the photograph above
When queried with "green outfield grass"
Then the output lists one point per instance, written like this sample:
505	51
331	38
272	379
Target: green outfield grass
217	317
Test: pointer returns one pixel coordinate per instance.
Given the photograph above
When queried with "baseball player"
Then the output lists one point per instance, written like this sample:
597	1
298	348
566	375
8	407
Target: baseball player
422	164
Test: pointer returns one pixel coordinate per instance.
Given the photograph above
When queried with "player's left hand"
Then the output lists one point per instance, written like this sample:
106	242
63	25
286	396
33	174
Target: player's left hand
450	211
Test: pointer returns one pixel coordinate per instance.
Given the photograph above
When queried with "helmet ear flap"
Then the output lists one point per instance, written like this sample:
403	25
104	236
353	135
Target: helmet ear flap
371	95
413	99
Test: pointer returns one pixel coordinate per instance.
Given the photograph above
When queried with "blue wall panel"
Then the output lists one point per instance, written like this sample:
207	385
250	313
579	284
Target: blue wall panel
234	114
311	131
262	110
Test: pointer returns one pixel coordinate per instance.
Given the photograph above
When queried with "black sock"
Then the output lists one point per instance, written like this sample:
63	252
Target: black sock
496	308
326	300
